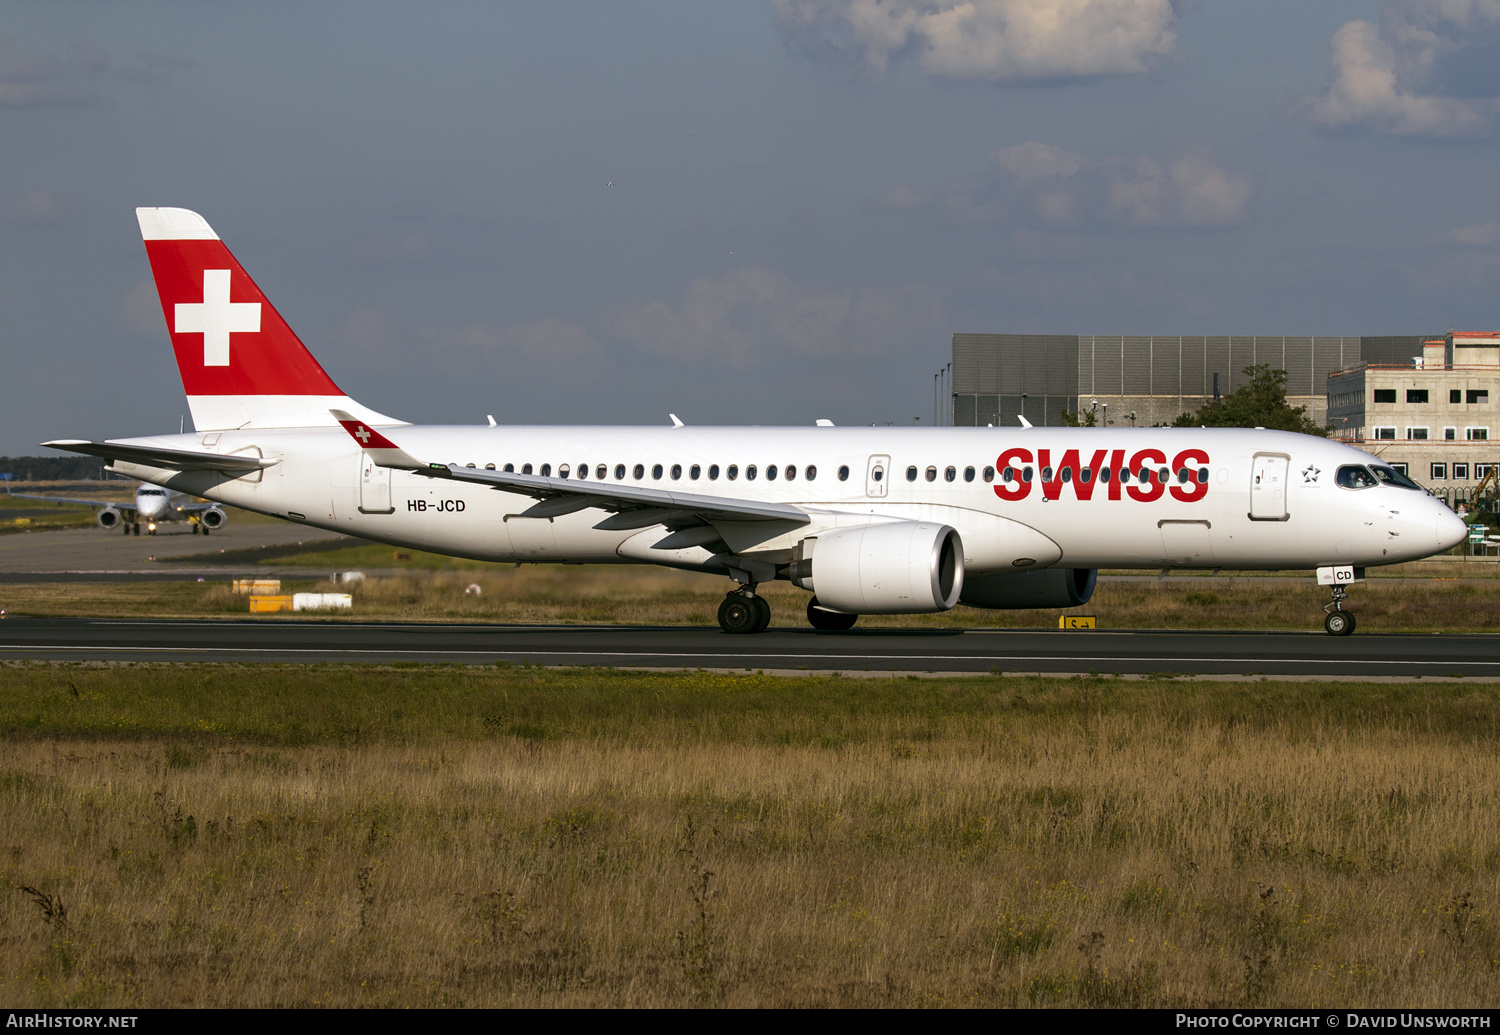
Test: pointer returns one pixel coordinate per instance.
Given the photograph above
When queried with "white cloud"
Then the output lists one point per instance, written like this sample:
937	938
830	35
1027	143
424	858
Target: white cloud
989	39
140	312
1188	190
751	315
1050	186
1384	74
548	343
1481	235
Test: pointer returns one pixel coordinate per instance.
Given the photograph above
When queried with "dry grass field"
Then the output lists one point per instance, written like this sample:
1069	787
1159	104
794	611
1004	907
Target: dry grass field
1442	598
347	836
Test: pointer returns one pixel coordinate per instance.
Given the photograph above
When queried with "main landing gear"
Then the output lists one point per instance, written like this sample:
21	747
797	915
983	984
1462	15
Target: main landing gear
744	612
1337	621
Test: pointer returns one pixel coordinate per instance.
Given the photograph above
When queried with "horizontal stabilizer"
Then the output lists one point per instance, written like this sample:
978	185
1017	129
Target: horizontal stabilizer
170	459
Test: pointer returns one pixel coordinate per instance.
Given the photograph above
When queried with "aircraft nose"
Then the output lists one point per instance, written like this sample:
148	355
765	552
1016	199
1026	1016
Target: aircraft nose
1451	529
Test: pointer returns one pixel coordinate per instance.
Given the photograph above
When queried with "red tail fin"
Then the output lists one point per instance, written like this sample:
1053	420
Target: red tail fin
240	362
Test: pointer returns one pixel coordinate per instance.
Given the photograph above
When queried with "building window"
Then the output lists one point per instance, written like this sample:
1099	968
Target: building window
1480	470
1385	395
1479	396
1416	434
1460	472
1477	434
1439	472
1416	395
1450	434
1385	433
1399	468
1455	395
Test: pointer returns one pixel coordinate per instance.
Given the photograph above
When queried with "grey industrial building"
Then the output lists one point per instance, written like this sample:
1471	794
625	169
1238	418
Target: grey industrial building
1143	379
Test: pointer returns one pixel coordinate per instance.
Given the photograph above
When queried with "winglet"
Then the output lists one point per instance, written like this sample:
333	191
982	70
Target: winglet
382	450
1024	422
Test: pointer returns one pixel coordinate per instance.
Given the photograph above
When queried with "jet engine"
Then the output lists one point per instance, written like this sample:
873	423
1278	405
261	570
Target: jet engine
904	567
109	517
213	518
1050	587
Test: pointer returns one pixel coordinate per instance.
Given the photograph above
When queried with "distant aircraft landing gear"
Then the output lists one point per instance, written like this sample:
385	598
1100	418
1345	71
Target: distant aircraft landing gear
1338	622
744	612
135	528
824	620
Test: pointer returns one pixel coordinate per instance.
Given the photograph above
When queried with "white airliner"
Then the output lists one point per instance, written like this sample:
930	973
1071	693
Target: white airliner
868	520
153	504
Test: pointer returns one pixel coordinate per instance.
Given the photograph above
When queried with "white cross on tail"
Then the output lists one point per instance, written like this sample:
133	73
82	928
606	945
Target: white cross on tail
216	318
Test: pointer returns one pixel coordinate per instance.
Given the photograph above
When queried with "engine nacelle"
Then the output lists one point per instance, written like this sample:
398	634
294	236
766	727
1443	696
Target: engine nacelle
1050	587
213	517
904	567
109	517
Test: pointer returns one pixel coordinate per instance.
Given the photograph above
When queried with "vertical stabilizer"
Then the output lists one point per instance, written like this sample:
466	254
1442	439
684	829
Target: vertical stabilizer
241	364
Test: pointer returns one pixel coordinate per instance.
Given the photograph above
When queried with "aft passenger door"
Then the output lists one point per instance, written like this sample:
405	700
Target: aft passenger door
877	475
374	487
1268	475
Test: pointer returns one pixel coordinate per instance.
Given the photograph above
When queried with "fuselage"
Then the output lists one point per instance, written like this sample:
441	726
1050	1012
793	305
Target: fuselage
1019	498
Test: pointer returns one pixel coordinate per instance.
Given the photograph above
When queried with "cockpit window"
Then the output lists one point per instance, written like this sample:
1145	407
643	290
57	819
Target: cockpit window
1391	476
1354	476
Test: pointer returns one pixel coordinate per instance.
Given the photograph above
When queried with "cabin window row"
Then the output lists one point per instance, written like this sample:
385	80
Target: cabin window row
950	474
601	472
1145	475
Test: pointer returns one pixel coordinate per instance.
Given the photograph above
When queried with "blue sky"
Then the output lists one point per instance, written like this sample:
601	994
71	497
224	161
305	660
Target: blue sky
809	196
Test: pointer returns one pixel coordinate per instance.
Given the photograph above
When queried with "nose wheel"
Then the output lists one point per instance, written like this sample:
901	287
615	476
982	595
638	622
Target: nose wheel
744	612
1337	621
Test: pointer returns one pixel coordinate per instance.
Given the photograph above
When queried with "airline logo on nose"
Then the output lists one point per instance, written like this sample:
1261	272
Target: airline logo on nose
216	318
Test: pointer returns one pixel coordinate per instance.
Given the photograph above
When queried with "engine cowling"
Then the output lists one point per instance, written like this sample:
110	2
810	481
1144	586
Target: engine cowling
109	517
901	567
213	517
1050	587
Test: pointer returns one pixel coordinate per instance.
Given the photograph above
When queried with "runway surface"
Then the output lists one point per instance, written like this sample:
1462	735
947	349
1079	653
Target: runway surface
273	640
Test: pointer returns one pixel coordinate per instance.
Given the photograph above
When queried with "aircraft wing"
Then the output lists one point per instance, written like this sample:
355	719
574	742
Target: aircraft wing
158	456
72	499
635	506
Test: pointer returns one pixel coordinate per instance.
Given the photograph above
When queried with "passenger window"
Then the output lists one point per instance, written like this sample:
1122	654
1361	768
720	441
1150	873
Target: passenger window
911	474
950	474
932	474
750	472
1026	474
1203	476
713	472
1104	474
771	473
732	472
1067	474
676	471
1008	475
639	471
1164	475
1046	474
968	474
510	468
810	473
489	467
619	471
656	471
1086	475
1143	476
694	472
546	471
1125	476
525	468
844	473
989	474
791	472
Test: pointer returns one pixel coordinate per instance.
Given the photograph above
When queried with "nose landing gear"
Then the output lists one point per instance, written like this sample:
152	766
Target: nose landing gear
1337	621
744	612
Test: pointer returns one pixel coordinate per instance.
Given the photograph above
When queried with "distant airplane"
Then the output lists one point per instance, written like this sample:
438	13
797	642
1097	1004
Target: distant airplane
153	504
